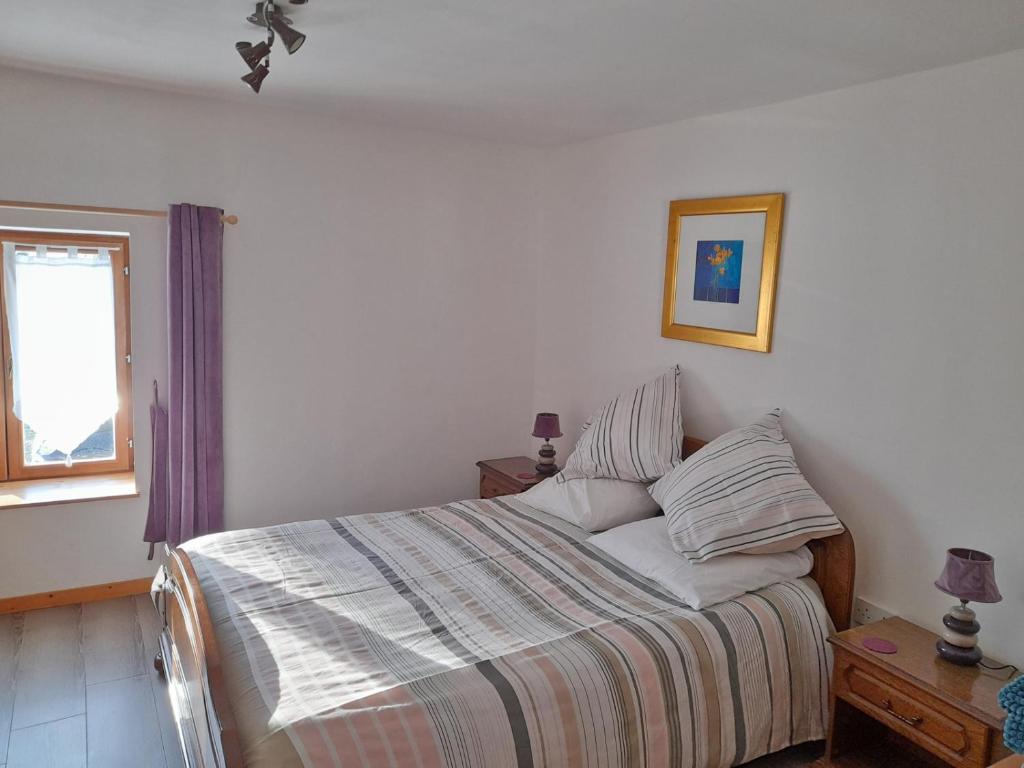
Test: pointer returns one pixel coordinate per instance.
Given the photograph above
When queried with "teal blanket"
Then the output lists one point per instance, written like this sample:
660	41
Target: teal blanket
1011	698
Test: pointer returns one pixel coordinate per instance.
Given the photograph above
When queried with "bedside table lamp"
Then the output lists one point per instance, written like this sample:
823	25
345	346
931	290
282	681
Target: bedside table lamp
969	575
546	426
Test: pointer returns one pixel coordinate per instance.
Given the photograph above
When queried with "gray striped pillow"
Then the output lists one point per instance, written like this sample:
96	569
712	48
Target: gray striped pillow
638	436
742	493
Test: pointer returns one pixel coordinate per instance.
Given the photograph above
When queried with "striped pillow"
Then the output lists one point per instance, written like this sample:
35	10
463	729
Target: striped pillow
638	436
742	493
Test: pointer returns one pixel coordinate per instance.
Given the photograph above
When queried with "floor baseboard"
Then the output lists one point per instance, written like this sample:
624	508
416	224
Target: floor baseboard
88	594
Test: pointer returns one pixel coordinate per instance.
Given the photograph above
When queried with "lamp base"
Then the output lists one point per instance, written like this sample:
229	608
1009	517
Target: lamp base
959	641
546	466
964	657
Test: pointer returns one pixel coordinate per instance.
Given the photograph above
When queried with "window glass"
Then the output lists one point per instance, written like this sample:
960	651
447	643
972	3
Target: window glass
62	329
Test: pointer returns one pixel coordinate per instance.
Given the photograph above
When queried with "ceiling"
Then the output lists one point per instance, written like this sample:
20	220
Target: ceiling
527	71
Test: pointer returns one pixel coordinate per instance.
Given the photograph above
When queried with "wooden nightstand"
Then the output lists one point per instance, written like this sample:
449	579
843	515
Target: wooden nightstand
498	477
909	708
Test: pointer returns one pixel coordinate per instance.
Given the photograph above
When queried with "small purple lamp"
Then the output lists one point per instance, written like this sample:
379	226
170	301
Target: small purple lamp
969	575
546	426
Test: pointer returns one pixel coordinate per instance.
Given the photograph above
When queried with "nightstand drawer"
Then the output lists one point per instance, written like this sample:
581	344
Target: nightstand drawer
491	487
502	477
943	730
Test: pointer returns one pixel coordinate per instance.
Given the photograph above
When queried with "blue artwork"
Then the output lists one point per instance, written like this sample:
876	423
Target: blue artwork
718	271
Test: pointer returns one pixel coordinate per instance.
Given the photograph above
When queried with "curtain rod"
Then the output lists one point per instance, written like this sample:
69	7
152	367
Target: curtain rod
24	206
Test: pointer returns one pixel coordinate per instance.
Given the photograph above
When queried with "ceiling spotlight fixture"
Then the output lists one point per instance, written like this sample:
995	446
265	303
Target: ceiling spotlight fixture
257	16
292	38
257	56
255	78
253	54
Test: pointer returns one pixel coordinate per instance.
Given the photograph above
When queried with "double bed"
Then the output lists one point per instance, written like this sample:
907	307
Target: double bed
481	633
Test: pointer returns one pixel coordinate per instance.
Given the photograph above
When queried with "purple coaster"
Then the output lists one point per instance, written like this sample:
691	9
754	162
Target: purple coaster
879	645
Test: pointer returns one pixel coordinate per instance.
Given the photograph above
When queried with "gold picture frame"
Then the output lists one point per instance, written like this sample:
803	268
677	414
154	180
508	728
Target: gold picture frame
731	302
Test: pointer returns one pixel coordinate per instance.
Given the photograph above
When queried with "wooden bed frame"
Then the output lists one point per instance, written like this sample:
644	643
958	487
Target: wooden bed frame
190	661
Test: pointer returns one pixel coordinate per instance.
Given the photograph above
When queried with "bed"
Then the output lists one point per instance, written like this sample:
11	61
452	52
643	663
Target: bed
480	633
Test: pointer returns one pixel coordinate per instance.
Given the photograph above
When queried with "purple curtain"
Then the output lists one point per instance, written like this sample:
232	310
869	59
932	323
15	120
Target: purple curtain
195	429
156	522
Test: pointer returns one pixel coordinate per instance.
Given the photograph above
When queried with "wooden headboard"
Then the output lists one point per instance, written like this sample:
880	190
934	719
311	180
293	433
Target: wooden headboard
835	563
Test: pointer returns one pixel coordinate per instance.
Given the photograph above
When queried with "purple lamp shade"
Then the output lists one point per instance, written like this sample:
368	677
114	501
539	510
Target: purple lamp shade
969	575
546	426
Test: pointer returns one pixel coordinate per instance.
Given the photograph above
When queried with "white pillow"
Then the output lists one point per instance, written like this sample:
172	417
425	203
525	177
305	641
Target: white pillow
743	492
645	547
638	436
594	505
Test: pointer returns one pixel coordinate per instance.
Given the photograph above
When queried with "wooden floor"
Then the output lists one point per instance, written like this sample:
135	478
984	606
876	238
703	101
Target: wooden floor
797	757
78	688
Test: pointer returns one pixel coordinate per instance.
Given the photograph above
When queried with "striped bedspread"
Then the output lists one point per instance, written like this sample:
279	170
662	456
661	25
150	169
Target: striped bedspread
486	633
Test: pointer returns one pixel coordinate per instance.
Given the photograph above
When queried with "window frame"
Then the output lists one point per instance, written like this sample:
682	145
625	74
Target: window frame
14	467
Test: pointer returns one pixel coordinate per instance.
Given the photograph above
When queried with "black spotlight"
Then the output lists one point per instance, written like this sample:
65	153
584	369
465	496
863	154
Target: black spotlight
253	54
257	16
255	78
292	38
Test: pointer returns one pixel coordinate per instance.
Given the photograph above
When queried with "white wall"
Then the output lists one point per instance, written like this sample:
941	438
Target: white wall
898	356
381	289
378	332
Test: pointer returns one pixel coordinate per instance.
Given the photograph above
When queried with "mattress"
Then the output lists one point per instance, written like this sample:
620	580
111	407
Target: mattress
488	633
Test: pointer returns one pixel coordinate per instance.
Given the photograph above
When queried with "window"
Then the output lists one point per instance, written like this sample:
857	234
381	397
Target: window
66	347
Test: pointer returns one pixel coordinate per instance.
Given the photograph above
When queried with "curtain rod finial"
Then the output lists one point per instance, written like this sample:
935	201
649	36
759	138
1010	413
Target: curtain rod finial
229	218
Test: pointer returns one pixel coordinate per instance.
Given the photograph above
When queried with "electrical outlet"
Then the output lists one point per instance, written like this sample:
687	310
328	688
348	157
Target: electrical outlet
867	613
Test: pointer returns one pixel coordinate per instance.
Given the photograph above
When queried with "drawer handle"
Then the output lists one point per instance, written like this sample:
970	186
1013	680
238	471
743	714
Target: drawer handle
913	722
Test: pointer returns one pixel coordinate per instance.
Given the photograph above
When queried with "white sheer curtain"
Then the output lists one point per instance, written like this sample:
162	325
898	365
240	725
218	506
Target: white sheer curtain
60	312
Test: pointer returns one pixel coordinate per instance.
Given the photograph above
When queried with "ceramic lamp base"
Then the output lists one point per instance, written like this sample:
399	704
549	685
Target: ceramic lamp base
964	657
546	465
959	641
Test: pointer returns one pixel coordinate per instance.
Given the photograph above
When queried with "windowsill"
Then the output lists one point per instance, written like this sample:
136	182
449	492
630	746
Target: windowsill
65	490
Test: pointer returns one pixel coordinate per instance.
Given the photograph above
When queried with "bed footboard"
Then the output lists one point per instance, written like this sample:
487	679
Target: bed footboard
190	662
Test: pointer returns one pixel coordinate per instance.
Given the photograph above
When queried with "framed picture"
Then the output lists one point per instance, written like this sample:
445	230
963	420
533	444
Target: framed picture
720	270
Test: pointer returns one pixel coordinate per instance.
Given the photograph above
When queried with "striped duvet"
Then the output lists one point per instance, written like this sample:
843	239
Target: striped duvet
486	633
